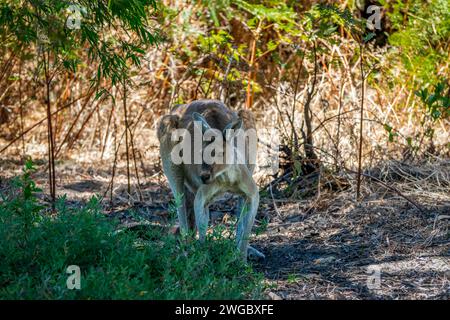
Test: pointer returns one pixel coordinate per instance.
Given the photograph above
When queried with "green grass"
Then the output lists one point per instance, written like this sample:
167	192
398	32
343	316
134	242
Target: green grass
37	247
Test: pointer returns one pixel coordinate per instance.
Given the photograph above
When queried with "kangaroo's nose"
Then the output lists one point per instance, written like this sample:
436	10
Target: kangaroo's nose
205	177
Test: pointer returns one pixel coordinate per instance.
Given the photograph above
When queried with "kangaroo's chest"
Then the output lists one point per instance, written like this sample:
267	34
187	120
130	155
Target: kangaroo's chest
225	182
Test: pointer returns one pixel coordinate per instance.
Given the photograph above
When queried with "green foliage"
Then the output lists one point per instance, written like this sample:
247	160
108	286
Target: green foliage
391	132
421	33
114	265
214	7
65	29
272	11
262	226
23	200
436	102
215	41
323	20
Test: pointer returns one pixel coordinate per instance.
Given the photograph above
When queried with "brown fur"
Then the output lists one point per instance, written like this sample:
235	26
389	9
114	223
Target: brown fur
187	179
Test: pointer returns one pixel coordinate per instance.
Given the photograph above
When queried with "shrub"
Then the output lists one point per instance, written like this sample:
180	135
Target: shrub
37	248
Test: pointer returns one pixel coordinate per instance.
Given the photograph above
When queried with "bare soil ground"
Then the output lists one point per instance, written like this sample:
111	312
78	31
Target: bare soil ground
327	246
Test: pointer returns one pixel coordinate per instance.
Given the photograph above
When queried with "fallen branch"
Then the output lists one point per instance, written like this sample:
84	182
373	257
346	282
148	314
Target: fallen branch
415	204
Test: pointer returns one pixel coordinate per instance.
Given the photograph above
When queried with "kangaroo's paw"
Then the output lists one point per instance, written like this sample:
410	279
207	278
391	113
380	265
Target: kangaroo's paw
254	254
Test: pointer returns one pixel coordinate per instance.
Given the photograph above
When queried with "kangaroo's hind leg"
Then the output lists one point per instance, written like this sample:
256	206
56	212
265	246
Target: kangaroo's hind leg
189	197
176	182
247	217
242	209
173	172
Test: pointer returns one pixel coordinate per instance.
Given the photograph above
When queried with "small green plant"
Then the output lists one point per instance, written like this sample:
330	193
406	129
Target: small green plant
22	198
391	132
292	278
437	101
436	107
262	227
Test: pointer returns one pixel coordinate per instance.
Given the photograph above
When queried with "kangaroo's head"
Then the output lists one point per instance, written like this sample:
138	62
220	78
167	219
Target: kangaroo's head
217	146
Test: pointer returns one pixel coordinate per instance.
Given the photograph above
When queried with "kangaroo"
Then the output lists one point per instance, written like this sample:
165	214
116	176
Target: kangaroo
200	183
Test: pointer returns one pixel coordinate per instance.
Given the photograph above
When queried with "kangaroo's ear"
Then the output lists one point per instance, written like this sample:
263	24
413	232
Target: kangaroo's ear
234	125
198	117
166	125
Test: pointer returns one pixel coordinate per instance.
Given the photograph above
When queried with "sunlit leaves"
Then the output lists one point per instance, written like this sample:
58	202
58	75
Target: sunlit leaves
422	34
113	33
436	102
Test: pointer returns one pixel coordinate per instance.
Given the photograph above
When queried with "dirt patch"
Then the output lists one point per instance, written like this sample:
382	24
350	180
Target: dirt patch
337	252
